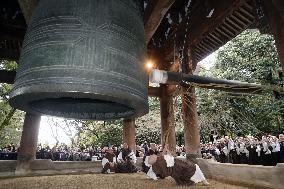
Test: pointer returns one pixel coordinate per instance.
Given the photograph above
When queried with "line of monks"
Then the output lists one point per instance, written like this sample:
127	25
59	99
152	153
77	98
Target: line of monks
155	165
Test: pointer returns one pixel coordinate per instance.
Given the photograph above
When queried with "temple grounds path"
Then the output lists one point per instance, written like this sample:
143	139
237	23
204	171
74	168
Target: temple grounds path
102	181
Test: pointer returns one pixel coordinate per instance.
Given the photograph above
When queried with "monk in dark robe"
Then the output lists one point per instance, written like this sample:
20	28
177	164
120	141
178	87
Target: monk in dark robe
184	173
126	160
109	162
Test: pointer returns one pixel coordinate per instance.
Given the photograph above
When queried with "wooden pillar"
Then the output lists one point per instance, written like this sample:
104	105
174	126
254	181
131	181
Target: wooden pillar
28	145
129	133
189	112
274	10
190	121
168	135
28	7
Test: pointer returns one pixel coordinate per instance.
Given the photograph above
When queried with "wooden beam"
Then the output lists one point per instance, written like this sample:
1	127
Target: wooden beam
11	32
28	7
9	54
275	12
7	76
279	5
154	14
174	67
154	91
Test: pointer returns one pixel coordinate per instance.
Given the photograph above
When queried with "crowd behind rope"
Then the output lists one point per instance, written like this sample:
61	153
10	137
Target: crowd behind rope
64	152
57	153
268	151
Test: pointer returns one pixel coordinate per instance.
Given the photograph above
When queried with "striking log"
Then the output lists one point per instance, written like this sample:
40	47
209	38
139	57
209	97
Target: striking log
167	120
160	76
28	146
129	133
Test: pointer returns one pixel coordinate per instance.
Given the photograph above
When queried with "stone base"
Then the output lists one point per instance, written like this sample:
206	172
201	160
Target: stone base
254	176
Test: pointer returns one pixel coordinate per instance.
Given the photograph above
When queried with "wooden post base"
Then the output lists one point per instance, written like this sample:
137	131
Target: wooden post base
129	133
28	146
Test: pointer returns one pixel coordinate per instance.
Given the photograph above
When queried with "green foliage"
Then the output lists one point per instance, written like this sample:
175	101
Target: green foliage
250	57
11	131
180	137
149	126
111	134
8	65
11	120
100	133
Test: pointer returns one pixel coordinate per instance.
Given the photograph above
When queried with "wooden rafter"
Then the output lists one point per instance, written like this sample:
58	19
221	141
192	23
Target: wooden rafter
200	25
153	16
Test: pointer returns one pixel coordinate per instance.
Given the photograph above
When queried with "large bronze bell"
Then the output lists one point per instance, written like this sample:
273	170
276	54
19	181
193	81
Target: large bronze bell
83	59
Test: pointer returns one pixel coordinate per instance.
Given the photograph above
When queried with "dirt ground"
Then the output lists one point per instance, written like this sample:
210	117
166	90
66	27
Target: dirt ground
102	181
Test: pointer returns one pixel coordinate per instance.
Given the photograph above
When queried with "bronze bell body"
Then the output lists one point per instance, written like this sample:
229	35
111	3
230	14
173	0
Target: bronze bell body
83	59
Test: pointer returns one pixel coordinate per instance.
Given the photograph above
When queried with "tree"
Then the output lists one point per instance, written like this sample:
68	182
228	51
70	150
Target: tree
11	120
102	133
249	57
54	130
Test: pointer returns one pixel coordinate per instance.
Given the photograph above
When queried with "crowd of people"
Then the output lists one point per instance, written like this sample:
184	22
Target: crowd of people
158	162
64	152
268	151
8	152
60	152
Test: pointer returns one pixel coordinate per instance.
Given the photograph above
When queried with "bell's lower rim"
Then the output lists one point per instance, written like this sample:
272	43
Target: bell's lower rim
79	105
69	107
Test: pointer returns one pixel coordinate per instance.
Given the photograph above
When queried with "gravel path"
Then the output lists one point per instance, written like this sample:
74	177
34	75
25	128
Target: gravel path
102	181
